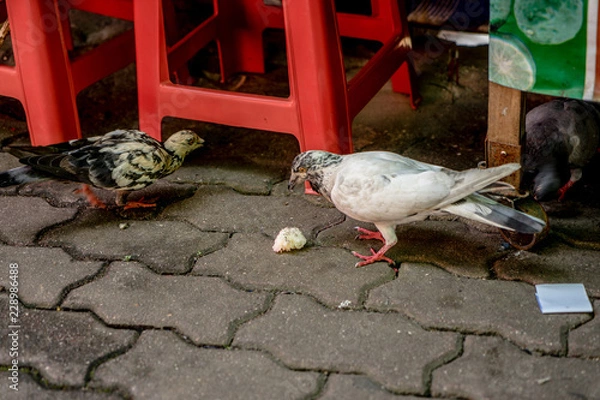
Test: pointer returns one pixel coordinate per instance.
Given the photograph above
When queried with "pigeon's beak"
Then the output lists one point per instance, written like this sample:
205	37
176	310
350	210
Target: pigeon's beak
294	179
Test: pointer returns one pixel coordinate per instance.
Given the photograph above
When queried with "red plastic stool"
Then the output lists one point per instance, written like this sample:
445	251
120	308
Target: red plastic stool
321	104
44	78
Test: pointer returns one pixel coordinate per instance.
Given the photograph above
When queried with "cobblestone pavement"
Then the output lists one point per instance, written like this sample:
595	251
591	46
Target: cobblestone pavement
189	301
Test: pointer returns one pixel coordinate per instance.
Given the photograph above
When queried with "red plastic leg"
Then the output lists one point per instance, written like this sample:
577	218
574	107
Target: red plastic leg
152	66
317	75
43	65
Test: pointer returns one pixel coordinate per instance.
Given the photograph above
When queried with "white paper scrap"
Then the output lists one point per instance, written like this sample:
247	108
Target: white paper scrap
562	298
467	39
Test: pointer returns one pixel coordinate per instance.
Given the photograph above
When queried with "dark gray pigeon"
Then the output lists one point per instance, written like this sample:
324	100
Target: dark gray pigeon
562	138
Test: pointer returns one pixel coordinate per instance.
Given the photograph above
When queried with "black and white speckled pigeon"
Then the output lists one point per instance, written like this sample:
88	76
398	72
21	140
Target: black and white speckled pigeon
562	137
121	160
387	189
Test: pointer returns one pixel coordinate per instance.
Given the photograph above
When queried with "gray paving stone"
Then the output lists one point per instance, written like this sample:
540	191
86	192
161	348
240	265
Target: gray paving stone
44	273
22	218
325	273
7	162
162	366
584	341
578	224
31	390
555	262
250	214
10	127
454	246
492	368
61	194
242	178
205	309
61	345
357	387
388	348
165	246
437	299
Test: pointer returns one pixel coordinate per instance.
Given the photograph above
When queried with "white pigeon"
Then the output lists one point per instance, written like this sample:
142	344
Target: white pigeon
388	189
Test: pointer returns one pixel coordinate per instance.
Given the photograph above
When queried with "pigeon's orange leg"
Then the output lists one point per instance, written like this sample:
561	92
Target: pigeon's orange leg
121	202
374	257
562	192
576	174
365	234
91	196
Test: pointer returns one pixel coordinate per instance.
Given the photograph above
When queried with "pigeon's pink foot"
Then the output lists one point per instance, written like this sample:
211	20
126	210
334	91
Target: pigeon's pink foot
91	196
365	234
374	257
563	190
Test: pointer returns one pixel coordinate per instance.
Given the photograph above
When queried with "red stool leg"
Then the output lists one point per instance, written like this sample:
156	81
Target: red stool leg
240	36
43	65
151	64
317	76
403	81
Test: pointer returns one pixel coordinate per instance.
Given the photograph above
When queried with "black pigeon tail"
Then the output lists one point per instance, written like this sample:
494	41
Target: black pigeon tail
20	175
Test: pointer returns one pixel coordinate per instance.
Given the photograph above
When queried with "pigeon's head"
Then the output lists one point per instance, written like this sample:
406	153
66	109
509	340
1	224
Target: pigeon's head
547	182
183	143
309	166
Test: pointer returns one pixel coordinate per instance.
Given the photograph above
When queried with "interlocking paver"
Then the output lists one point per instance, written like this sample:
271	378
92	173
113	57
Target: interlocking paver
31	390
386	347
437	299
61	194
43	273
492	368
584	341
205	309
579	224
457	247
340	386
162	366
263	214
23	218
165	246
244	179
325	273
61	345
558	263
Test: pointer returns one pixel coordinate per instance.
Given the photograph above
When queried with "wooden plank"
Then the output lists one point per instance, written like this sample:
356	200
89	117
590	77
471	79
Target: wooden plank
506	128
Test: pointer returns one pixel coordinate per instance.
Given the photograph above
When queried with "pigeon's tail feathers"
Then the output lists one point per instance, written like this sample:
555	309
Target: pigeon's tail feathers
19	175
472	180
479	208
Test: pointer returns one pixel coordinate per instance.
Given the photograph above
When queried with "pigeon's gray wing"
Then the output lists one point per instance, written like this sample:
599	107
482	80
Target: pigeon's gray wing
118	160
582	132
377	187
377	191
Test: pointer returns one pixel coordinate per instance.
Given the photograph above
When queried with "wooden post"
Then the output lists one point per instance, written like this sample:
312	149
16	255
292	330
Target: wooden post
506	123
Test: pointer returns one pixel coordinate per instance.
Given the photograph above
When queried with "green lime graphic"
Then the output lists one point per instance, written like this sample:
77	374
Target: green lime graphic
511	63
549	21
499	11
